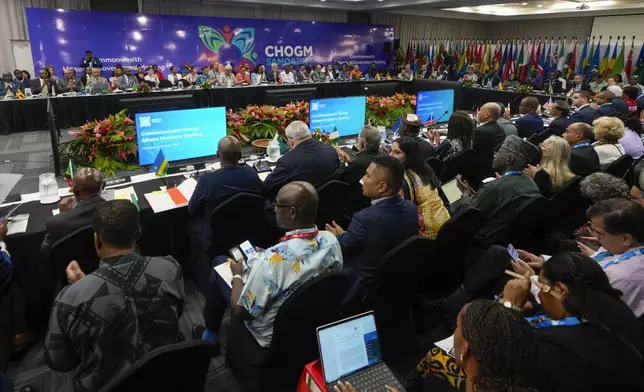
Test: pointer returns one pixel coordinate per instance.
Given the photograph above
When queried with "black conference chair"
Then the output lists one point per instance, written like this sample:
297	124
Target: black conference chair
620	166
150	83
165	84
458	164
397	281
568	208
437	165
538	138
629	175
333	199
530	225
176	367
446	269
294	343
78	246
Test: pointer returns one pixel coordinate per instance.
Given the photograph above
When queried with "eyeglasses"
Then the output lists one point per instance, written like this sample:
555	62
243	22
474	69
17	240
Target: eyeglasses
277	205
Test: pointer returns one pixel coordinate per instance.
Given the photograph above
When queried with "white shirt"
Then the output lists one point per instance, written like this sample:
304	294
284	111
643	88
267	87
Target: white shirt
608	153
174	78
153	78
287	77
626	276
615	89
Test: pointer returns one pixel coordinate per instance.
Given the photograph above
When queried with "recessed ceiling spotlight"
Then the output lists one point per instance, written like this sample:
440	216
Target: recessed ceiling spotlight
539	5
524	4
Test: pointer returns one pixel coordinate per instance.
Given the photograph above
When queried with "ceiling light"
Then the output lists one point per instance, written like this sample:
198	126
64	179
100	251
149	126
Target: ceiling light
539	5
323	1
524	4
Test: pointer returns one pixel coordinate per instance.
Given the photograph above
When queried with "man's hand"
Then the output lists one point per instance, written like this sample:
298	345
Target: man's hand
3	230
521	267
531	170
532	260
237	267
74	272
66	204
335	229
516	291
344	157
463	185
585	250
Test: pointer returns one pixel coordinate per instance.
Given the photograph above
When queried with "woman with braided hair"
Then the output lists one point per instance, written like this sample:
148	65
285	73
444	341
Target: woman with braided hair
589	339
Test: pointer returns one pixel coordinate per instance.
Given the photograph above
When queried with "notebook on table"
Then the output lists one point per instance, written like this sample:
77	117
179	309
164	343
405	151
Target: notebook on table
350	352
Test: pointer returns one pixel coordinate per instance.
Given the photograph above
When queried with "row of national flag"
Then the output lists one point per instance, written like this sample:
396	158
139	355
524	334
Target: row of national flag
522	57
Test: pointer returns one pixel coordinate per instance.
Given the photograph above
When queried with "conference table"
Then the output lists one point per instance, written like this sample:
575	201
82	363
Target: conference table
30	114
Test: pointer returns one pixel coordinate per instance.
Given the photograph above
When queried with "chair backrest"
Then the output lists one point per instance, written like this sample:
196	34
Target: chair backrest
453	241
568	207
437	165
530	225
397	281
294	344
78	246
175	367
620	166
333	199
165	83
629	174
239	218
458	163
537	138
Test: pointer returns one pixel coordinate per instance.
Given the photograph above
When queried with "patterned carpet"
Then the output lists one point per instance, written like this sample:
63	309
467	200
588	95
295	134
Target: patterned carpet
33	371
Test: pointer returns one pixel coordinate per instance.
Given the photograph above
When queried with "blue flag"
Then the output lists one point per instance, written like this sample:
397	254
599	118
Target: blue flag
396	126
503	60
582	59
160	165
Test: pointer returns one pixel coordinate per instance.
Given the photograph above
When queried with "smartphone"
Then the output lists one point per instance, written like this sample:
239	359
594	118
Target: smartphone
236	253
513	253
247	249
242	252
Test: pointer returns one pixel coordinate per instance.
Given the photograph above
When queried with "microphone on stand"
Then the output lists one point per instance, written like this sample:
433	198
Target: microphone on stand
443	115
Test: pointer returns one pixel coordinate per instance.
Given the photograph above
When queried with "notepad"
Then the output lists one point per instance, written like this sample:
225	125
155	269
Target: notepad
227	275
18	224
447	345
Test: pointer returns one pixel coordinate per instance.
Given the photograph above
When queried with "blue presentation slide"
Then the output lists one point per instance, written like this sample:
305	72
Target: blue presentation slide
435	103
345	114
181	134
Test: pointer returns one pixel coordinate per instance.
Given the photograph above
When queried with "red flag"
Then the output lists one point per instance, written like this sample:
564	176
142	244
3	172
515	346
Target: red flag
497	56
531	62
572	64
629	62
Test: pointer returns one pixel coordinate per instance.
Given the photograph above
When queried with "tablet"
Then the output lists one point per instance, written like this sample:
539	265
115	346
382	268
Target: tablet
451	191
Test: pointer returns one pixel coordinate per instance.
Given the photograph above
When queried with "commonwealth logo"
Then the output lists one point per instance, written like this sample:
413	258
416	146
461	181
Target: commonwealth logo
242	38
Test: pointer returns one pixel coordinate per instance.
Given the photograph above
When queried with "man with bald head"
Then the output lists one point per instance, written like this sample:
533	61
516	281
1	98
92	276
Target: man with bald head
530	121
75	211
604	101
488	137
583	157
214	188
271	275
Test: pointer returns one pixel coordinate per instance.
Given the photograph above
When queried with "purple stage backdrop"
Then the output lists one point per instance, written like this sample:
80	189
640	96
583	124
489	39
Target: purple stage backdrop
60	38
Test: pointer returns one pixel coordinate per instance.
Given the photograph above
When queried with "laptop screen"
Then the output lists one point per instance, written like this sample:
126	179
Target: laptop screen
348	346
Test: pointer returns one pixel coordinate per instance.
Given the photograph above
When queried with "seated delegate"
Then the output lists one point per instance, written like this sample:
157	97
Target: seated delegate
374	231
420	186
501	198
583	157
78	210
113	316
530	121
608	131
273	274
553	173
410	126
559	111
309	160
460	136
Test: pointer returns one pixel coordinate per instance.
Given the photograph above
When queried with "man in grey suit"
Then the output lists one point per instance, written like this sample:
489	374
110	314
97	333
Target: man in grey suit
77	211
125	81
69	82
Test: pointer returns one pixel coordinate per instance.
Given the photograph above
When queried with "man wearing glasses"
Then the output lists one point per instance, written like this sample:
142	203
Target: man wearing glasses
270	276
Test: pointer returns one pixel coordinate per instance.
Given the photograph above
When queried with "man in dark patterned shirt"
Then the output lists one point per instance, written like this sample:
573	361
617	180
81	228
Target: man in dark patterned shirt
130	305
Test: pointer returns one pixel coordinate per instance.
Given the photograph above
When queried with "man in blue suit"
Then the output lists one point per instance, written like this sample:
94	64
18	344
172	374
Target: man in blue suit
582	111
531	121
308	160
377	229
605	102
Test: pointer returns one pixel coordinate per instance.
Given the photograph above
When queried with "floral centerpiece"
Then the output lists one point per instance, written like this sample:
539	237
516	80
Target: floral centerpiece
206	85
524	89
323	136
142	88
264	121
385	111
105	145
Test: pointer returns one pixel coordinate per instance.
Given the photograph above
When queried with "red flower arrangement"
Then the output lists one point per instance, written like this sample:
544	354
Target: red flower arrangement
264	121
386	111
105	145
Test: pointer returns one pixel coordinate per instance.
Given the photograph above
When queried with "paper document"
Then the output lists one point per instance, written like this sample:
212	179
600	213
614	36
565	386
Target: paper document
55	212
125	194
187	187
18	224
160	201
447	345
227	275
263	176
7	183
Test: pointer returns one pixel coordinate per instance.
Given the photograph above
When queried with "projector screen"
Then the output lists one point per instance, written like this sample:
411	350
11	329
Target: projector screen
345	114
181	134
437	103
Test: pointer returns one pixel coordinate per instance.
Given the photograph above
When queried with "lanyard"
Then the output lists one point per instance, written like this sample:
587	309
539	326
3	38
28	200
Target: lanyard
511	173
544	322
310	234
580	145
626	256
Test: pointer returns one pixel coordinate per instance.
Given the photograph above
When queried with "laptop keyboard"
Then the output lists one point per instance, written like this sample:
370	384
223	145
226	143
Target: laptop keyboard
374	379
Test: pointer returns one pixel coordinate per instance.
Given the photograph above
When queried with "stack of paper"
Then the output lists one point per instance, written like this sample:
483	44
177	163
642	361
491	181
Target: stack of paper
127	194
169	199
17	224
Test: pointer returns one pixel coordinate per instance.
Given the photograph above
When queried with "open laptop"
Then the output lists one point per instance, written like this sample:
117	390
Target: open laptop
350	352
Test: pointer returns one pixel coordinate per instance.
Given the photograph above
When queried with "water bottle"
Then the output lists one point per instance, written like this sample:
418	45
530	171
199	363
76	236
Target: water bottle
273	150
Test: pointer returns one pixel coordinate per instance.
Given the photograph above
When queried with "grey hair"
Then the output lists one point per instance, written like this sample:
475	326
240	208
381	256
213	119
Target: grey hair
371	138
603	186
297	130
228	66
